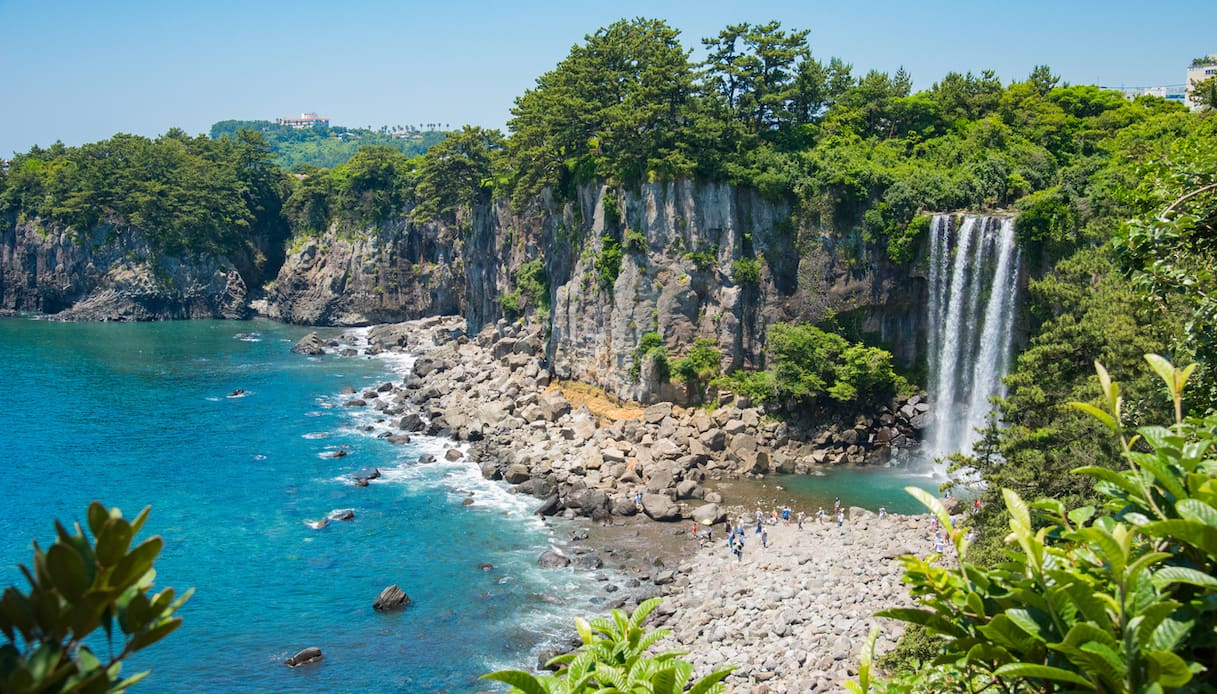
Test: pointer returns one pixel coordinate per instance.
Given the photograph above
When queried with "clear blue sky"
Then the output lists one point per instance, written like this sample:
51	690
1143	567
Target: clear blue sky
80	71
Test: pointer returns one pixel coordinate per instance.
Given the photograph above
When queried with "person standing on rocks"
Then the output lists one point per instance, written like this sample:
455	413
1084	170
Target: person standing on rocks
801	515
765	539
820	515
882	512
786	516
840	518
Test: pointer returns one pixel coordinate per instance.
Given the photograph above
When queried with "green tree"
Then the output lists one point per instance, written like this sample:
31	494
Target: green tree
699	367
612	109
1204	93
456	172
76	587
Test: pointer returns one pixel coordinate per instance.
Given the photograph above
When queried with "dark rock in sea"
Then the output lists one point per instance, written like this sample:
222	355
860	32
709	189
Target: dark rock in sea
391	599
411	422
355	403
340	453
550	559
426	458
486	566
361	482
342	514
466	502
311	344
366	474
398	439
307	656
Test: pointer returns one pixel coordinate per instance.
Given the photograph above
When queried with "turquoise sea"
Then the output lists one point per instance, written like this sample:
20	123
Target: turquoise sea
139	414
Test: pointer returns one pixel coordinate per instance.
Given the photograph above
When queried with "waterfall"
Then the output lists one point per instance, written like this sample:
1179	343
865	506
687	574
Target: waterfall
973	286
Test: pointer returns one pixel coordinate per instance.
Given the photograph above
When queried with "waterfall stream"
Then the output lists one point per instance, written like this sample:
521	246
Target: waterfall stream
973	286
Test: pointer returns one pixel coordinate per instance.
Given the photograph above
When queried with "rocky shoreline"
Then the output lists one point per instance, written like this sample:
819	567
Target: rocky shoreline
791	616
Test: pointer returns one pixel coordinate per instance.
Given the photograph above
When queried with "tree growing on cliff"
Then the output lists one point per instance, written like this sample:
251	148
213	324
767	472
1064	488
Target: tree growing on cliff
456	173
76	587
612	109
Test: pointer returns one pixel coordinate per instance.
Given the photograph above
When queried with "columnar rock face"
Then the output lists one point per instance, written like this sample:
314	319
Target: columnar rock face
111	275
686	252
392	273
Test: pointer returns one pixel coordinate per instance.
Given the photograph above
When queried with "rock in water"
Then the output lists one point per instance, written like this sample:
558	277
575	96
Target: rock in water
392	599
310	344
307	656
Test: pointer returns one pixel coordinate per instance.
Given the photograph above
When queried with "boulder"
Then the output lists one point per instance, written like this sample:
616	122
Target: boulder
657	413
391	599
310	344
550	559
660	507
453	454
709	514
307	656
553	405
342	514
411	422
516	473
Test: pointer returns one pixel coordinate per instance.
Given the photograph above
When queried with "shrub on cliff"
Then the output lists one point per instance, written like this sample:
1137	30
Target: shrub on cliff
76	587
613	658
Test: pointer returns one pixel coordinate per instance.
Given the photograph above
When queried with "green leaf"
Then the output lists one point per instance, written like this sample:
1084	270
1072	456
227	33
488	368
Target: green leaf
97	517
1043	672
131	568
519	679
113	541
932	503
156	633
710	683
1104	418
1165	371
1168	669
67	571
1196	534
1168	575
1116	479
1196	510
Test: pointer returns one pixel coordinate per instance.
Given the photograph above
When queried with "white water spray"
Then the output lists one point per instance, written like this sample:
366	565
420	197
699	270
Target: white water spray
973	286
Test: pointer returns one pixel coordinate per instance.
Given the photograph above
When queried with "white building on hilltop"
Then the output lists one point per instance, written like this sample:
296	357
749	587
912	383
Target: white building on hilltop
306	120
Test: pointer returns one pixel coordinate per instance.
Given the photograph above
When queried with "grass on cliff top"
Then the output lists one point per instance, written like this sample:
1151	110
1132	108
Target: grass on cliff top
604	406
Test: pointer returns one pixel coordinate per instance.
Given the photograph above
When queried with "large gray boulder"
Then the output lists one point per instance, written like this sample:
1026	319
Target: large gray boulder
391	599
310	344
709	514
307	656
660	507
550	559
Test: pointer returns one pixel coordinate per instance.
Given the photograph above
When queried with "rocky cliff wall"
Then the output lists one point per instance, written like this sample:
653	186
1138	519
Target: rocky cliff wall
111	275
680	275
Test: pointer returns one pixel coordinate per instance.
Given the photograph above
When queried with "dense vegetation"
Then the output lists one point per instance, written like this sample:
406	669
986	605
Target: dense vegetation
328	146
190	195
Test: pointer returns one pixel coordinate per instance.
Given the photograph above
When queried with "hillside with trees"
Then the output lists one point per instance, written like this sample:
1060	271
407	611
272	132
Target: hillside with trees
1116	213
328	146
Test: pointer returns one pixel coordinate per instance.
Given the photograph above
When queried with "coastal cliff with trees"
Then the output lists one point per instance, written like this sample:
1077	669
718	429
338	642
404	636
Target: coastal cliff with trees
758	221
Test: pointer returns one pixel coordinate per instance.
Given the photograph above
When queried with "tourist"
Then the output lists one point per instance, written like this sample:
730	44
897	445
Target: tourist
765	539
801	515
934	524
976	506
938	544
693	531
820	515
836	505
882	512
840	518
786	516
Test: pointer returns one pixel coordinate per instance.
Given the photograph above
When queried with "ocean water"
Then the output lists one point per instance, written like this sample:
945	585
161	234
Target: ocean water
140	414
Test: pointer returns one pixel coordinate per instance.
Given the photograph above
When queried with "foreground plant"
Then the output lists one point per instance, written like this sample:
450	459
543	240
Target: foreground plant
77	587
1121	598
612	661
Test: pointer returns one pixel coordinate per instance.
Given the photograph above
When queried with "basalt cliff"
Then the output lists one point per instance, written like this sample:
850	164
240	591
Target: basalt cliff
682	259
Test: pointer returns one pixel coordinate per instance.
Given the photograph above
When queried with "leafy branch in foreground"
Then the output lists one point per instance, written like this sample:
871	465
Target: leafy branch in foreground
612	660
75	588
1118	598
